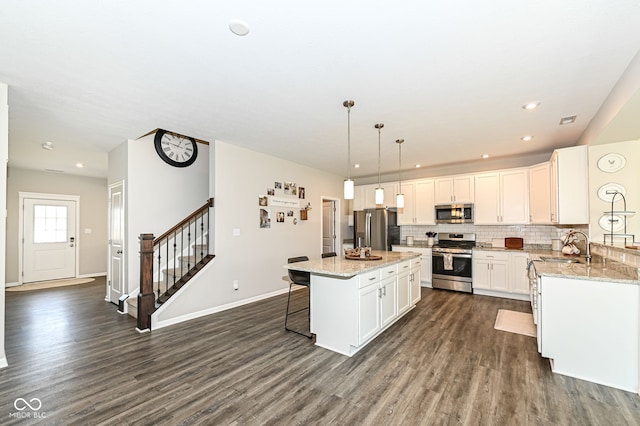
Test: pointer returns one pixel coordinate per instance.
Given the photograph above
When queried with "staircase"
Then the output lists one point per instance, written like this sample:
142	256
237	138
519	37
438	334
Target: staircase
175	277
177	256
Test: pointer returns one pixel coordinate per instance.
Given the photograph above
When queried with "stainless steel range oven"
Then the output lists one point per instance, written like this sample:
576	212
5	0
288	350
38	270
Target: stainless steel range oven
451	262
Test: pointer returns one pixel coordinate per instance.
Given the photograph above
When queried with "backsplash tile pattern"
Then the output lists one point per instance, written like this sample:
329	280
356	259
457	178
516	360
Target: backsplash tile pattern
532	234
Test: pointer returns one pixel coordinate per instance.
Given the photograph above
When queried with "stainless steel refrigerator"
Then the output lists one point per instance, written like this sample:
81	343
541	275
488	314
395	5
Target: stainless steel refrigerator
376	228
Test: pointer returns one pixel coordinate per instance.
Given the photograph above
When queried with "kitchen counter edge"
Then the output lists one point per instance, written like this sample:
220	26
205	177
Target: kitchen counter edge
341	267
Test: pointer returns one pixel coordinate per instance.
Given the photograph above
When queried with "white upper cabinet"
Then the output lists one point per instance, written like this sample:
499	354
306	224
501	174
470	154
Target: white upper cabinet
418	203
365	196
502	198
454	189
540	194
570	186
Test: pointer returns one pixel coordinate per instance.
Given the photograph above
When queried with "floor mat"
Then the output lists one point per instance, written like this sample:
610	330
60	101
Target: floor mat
515	322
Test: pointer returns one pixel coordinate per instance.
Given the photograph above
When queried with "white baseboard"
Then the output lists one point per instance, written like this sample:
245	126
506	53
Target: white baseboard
516	296
15	284
155	324
3	363
92	275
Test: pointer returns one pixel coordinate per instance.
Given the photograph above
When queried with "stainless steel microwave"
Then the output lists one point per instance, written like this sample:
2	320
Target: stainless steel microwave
454	213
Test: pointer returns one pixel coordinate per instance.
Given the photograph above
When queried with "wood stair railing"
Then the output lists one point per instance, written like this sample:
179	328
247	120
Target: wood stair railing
178	255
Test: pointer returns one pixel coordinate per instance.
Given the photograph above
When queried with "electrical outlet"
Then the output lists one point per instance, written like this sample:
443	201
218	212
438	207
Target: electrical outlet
235	284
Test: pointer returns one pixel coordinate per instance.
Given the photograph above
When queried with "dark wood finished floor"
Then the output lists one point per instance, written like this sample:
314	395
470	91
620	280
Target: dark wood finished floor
441	364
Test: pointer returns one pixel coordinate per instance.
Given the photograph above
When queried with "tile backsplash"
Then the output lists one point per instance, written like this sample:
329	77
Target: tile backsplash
532	234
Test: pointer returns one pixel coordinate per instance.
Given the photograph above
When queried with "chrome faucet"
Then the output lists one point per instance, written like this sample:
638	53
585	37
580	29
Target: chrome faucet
586	241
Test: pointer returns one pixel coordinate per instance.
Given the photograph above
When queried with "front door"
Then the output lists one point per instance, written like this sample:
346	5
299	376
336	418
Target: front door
116	238
49	239
328	226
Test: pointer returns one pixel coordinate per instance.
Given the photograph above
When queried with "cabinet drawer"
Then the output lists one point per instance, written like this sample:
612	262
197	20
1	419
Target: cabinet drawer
491	255
388	271
369	278
404	267
416	263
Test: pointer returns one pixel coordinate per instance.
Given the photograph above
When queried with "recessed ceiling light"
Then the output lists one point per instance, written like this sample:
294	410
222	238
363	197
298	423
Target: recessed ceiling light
238	27
417	166
485	155
531	105
568	120
356	166
48	146
79	165
526	138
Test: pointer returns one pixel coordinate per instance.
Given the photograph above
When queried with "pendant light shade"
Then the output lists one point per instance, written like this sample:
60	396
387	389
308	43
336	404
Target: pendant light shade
379	196
400	196
379	190
349	189
348	183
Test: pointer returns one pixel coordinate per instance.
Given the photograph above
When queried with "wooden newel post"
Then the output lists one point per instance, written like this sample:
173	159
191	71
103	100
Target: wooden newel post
146	297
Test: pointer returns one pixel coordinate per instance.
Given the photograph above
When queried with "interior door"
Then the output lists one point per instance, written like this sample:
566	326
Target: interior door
49	232
328	226
115	280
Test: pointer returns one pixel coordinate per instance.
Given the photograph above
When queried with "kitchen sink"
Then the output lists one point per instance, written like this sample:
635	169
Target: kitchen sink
559	259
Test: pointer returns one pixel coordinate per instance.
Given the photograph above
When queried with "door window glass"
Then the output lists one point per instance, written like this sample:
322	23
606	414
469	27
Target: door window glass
49	224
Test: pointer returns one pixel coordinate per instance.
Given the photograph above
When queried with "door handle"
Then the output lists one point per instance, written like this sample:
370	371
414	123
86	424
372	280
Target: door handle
119	252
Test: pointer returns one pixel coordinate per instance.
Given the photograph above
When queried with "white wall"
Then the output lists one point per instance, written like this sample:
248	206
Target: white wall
621	94
256	257
4	157
628	177
157	195
93	215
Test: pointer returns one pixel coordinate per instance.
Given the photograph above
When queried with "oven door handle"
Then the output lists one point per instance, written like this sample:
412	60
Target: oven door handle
458	255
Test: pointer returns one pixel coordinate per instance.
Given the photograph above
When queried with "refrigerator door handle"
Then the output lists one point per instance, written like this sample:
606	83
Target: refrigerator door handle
367	238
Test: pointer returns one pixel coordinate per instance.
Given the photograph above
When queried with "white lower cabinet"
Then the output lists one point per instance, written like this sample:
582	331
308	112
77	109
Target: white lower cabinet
500	273
414	280
424	277
404	287
388	304
368	312
379	302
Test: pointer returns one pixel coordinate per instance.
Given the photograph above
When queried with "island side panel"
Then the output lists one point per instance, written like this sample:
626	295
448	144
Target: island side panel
590	330
334	312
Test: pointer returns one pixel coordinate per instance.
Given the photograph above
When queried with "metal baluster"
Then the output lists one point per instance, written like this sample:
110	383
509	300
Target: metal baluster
189	240
159	270
181	252
202	235
175	255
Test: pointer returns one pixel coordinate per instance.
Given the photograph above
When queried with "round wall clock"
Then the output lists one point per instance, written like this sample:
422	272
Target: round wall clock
176	150
611	162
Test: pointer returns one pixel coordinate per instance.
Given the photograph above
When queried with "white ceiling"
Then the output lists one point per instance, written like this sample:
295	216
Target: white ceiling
448	77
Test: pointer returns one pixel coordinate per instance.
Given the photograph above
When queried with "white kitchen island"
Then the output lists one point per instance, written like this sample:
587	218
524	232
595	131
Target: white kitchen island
589	321
353	301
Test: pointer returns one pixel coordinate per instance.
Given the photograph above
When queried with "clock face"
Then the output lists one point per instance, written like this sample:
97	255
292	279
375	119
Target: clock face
178	151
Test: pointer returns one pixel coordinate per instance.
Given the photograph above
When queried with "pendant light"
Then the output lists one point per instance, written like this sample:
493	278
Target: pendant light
400	196
379	190
348	183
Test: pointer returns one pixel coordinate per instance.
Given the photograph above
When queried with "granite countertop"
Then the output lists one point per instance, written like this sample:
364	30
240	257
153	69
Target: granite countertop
340	267
600	269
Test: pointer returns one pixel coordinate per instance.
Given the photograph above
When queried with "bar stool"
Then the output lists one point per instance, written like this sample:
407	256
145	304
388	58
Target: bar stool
303	279
329	254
